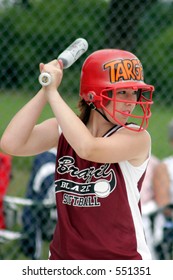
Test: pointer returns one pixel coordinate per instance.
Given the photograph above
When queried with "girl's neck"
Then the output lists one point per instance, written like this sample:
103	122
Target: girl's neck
97	125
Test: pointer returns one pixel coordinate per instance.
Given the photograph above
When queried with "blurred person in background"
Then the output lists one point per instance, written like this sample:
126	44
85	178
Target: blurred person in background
148	203
101	156
163	193
5	176
39	221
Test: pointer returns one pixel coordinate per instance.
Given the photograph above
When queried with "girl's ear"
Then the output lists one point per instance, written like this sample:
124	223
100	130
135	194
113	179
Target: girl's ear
41	66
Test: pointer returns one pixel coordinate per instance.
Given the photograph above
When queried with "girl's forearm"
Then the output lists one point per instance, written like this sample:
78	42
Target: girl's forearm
73	128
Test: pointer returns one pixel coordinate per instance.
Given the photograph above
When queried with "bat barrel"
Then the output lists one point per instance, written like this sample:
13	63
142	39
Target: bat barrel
68	57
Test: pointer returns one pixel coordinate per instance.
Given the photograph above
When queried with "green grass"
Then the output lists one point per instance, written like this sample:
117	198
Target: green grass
12	101
158	128
158	125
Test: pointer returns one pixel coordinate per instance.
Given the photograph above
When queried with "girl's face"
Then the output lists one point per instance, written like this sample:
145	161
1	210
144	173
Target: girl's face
124	103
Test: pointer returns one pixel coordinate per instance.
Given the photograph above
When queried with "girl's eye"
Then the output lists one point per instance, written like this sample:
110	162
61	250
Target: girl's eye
121	92
124	92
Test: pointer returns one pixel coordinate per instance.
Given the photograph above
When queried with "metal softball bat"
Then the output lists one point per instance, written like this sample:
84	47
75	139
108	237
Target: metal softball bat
68	57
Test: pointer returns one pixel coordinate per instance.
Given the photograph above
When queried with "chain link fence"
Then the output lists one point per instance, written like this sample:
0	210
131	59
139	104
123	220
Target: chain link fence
34	31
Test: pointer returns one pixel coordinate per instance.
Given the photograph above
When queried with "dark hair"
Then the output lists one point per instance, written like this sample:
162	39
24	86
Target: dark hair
85	110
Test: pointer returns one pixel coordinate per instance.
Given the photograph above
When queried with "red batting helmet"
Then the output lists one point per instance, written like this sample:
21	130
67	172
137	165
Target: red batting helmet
110	70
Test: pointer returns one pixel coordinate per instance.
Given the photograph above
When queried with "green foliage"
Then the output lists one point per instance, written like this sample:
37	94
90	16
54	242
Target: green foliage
156	45
29	36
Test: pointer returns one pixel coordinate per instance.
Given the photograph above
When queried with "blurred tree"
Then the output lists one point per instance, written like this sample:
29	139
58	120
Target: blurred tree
26	3
122	21
25	31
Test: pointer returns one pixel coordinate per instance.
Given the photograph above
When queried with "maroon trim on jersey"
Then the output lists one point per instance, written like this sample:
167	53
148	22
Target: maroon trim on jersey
140	187
112	130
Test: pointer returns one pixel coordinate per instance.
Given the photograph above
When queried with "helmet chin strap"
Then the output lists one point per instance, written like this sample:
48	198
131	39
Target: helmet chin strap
93	107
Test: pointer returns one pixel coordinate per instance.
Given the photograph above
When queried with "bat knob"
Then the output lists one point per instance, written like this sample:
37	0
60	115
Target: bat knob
45	79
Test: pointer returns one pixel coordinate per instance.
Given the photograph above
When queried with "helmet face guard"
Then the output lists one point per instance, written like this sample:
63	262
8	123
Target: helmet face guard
108	71
143	110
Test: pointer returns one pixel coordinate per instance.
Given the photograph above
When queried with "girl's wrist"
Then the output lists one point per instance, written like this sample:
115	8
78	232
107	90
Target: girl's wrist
51	94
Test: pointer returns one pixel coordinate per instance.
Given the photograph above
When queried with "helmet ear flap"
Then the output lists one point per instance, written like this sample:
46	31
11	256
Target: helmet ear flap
91	96
99	100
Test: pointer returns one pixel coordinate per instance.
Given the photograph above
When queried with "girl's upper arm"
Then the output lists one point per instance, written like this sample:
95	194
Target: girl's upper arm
121	146
46	135
43	137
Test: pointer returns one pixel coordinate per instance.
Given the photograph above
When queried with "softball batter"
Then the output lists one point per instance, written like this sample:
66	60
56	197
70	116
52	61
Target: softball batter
101	158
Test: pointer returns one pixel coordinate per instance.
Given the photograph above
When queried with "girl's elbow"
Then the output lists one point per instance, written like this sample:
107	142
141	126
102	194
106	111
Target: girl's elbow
7	146
3	144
